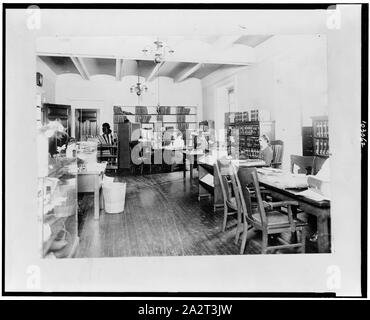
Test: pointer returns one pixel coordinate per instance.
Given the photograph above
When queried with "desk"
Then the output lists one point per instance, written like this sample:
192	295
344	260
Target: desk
320	209
192	156
90	180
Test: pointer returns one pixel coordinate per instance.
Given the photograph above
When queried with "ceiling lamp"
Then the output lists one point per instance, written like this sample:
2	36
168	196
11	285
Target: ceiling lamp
158	51
139	87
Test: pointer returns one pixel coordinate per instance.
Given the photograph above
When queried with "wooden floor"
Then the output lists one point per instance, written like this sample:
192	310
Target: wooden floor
162	218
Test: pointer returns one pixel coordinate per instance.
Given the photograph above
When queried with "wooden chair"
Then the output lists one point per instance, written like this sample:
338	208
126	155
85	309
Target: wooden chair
305	164
317	164
266	216
309	165
277	157
223	168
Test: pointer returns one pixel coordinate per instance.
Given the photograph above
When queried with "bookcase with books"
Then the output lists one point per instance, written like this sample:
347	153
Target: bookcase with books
320	125
243	131
171	117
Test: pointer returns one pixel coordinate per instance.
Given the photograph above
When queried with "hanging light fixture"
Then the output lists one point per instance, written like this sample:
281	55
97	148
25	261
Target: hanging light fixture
158	51
139	87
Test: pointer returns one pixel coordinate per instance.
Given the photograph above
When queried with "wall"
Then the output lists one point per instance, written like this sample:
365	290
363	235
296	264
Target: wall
103	92
289	80
49	79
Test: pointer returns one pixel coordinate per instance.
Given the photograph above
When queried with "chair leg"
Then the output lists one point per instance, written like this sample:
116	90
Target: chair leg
303	240
238	225
244	237
225	218
264	241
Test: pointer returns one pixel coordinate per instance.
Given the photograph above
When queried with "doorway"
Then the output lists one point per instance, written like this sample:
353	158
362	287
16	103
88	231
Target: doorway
86	123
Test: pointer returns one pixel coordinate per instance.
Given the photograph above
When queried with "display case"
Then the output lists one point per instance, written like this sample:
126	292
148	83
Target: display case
57	199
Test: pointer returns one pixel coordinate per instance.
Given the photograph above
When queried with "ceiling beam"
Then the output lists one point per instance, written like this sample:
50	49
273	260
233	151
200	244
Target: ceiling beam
224	42
154	71
187	72
119	69
109	48
80	66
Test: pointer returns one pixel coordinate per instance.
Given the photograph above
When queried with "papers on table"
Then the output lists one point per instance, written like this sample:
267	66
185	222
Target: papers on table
312	194
249	163
208	179
283	180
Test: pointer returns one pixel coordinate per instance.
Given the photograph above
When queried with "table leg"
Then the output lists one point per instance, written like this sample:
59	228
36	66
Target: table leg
101	199
96	197
294	214
323	241
184	162
191	171
96	204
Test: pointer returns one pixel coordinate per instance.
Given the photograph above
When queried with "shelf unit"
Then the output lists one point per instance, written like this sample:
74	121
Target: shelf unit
177	117
57	205
108	153
242	138
320	125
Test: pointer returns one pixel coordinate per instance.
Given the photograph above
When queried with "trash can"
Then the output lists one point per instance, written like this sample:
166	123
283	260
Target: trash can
114	194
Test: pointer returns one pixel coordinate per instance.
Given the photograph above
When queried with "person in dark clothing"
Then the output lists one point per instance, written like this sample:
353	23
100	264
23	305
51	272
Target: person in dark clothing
266	152
107	134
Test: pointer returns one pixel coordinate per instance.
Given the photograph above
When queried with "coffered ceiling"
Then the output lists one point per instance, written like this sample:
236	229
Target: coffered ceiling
192	57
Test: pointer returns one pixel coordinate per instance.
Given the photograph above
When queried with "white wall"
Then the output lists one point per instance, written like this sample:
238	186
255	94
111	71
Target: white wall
103	92
289	80
49	78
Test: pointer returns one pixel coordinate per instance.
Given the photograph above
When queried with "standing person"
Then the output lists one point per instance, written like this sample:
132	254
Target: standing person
107	137
266	152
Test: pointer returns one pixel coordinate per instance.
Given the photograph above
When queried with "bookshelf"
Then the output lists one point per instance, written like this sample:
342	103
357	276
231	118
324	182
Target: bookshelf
174	117
57	202
320	125
108	153
243	137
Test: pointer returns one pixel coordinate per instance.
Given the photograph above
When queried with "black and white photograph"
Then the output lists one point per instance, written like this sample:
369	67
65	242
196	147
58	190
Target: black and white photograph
185	149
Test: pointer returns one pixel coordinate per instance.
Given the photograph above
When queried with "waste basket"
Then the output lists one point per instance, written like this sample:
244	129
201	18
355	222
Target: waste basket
114	196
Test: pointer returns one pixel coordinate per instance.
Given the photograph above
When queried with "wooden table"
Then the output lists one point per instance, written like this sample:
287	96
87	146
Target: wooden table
192	156
320	209
91	180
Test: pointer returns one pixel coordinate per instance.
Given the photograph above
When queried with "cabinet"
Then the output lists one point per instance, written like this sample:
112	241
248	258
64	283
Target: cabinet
57	201
51	112
242	138
320	127
127	133
307	141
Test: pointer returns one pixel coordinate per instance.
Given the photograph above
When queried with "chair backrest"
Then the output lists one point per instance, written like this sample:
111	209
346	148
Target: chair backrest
304	163
317	164
223	168
246	179
278	150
